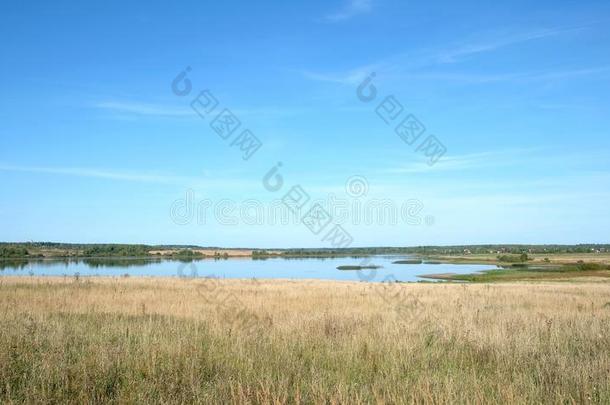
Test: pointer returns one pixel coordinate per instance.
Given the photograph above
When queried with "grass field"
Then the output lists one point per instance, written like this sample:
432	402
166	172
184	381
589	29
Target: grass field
248	341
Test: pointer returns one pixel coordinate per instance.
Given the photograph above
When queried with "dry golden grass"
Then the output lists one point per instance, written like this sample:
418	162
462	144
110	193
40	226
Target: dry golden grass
247	341
572	258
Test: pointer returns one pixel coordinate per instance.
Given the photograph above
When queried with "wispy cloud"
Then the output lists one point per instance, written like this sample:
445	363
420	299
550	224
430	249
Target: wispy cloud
351	9
564	74
98	173
138	108
410	64
160	110
482	78
467	161
268	111
350	77
461	51
207	180
591	163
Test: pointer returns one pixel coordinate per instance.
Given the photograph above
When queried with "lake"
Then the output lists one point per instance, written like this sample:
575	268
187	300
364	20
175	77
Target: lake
271	268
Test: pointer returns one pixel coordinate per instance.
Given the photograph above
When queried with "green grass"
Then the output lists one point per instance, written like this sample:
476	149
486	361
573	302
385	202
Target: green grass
524	273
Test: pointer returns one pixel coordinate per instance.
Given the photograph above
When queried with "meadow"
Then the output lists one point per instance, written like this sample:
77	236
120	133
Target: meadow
77	340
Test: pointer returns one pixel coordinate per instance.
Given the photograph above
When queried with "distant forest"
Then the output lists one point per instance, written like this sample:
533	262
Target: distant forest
36	249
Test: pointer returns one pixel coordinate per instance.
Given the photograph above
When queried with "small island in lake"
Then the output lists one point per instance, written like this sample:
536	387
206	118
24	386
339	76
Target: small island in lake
357	267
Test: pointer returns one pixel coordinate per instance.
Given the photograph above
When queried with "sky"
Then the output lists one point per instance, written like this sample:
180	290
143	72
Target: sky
99	140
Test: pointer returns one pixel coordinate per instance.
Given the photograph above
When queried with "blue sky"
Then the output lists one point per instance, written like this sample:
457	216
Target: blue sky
95	146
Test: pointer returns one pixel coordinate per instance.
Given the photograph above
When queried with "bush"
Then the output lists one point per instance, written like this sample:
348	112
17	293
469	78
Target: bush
116	250
509	258
589	266
513	258
10	251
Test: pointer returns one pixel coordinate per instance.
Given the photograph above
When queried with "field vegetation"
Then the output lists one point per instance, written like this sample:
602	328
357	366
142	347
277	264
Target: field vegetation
266	342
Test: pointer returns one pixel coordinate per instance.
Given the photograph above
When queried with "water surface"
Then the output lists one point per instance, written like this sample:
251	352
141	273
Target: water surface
272	268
